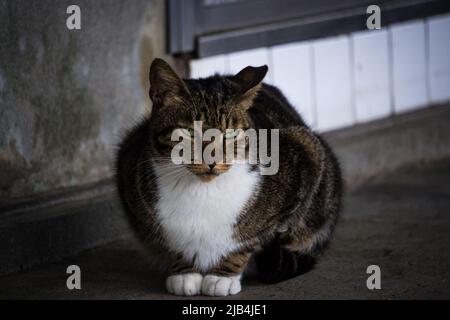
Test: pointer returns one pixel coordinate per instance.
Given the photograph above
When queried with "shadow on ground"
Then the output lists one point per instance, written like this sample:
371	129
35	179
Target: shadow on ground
400	222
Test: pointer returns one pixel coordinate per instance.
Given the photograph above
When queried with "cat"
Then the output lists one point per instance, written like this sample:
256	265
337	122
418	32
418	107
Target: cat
207	221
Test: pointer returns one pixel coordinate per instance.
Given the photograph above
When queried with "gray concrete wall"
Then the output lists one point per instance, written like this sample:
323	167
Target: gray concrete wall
66	95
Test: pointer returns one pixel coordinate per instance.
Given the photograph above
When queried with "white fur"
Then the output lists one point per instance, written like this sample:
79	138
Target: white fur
187	284
197	217
218	286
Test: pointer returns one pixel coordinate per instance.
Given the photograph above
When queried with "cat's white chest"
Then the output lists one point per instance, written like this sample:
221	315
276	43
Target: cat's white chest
198	218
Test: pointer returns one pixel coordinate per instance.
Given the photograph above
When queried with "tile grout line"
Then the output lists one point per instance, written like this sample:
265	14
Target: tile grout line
427	60
391	71
351	66
315	116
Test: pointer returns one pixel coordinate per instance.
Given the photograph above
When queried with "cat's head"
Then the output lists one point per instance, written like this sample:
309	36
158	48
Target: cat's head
218	102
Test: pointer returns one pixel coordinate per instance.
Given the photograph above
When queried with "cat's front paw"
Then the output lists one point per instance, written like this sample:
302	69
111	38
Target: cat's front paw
219	286
186	284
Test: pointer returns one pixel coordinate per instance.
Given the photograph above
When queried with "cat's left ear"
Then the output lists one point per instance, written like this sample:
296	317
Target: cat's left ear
166	88
248	82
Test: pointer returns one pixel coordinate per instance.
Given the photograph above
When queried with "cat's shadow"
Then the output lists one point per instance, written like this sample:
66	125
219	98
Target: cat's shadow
122	270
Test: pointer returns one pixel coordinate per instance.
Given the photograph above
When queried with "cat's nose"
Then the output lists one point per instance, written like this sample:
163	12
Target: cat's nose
211	166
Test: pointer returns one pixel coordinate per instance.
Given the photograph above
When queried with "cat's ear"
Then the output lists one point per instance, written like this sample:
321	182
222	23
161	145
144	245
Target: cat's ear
248	82
166	88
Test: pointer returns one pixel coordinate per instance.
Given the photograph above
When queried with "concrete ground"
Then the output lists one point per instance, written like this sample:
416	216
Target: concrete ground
400	222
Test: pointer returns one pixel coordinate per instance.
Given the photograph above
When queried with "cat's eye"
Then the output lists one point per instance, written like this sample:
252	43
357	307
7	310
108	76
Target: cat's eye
230	134
189	132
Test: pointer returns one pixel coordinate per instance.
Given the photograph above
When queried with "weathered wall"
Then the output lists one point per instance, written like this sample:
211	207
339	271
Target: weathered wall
66	95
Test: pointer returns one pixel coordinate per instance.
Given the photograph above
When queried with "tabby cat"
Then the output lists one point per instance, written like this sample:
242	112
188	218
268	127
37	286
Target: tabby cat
207	221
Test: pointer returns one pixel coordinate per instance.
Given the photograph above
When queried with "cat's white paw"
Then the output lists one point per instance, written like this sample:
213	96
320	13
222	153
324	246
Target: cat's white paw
219	286
186	284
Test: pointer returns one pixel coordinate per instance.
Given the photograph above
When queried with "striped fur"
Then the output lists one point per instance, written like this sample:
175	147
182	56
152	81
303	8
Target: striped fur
207	230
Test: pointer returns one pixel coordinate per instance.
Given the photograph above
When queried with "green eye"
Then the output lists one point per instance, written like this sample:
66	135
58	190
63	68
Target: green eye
188	132
230	134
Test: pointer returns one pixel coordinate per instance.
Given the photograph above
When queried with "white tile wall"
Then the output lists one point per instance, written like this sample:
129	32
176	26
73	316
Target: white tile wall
439	58
371	72
409	66
333	83
339	81
208	66
256	57
292	71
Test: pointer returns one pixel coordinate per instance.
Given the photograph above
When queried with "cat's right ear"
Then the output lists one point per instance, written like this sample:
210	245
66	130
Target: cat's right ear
166	88
248	82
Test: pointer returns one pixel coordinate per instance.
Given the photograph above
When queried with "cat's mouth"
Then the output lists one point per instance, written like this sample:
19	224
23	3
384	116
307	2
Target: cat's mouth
207	172
207	176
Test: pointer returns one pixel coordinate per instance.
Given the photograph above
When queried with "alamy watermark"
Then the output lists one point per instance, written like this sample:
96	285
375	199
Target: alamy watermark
73	22
190	149
374	280
373	22
74	280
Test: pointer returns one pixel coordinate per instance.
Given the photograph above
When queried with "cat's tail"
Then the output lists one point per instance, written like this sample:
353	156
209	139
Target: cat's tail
275	263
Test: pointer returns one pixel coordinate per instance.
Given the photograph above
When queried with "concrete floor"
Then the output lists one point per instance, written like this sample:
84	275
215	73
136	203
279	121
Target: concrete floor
400	222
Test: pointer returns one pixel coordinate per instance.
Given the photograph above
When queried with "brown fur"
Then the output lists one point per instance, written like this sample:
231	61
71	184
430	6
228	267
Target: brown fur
288	222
